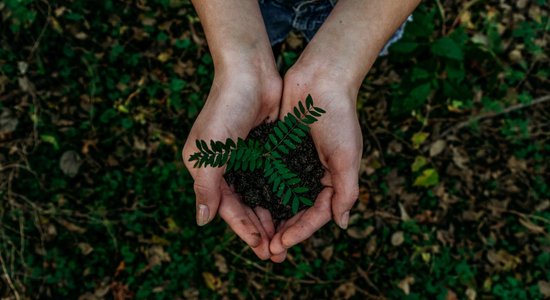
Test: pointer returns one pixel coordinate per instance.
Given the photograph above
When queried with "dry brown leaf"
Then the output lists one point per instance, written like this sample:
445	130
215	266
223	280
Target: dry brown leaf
359	233
70	162
345	291
451	295
156	255
220	263
502	260
71	227
471	294
327	252
85	248
397	238
544	287
437	147
532	227
8	122
460	159
405	284
404	215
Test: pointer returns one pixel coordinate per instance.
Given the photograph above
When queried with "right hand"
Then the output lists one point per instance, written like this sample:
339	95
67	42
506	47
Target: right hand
238	101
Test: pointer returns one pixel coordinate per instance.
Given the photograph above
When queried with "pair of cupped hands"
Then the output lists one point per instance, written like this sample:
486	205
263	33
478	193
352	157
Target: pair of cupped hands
243	97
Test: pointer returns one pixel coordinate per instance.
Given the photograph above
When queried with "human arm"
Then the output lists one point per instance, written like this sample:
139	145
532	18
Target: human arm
245	92
331	69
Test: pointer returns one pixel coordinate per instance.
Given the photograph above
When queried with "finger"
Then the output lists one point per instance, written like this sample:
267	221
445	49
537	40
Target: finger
265	219
233	211
312	219
207	192
346	192
276	245
262	250
279	258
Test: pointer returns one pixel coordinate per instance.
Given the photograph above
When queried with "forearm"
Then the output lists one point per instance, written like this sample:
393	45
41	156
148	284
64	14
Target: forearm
351	38
236	33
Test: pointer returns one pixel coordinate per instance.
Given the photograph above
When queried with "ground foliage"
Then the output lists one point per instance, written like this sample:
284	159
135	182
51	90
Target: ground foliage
97	97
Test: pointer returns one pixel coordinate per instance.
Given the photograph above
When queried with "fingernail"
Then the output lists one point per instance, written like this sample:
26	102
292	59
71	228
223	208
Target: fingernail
202	215
344	220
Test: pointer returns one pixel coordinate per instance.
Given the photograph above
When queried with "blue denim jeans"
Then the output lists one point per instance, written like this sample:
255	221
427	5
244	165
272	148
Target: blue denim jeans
305	16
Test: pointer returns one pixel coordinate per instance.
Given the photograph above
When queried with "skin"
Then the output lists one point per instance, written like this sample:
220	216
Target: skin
247	90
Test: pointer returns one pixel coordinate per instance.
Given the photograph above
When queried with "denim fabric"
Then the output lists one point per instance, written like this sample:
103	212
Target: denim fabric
305	16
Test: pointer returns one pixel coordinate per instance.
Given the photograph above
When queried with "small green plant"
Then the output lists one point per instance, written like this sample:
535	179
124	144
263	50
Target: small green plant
251	155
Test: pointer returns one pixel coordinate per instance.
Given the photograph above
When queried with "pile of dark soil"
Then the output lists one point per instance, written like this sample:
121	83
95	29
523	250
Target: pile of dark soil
256	191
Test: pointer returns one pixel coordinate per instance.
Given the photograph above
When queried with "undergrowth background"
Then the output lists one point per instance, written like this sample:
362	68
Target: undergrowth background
97	98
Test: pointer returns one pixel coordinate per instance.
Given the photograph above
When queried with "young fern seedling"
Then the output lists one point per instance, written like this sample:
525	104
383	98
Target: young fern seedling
251	155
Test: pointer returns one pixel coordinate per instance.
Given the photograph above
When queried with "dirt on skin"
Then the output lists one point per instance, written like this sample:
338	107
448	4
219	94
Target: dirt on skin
255	189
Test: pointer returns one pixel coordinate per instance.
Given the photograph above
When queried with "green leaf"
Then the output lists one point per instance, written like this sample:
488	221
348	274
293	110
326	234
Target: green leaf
51	140
210	160
302	109
419	162
245	164
205	147
199	145
239	154
419	138
289	144
273	139
314	113
309	120
291	119
218	161
428	178
295	138
299	132
272	177
309	101
232	159
295	205
293	181
278	132
288	175
177	85
282	126
286	198
276	184
306	201
296	112
319	110
224	157
300	190
283	149
281	190
252	164
447	47
216	145
229	143
275	155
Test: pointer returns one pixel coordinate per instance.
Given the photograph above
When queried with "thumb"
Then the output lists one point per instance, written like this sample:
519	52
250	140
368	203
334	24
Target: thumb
346	192
207	188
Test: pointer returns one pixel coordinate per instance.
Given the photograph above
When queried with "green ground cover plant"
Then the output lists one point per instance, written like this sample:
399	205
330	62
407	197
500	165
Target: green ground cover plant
97	98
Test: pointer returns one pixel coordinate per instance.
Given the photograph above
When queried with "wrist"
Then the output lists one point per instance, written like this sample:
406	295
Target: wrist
316	75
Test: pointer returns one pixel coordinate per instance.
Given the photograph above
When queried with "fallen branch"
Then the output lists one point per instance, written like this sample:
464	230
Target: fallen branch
494	114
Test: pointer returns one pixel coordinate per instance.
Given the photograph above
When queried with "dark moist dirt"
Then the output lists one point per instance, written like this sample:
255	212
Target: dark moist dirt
256	191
